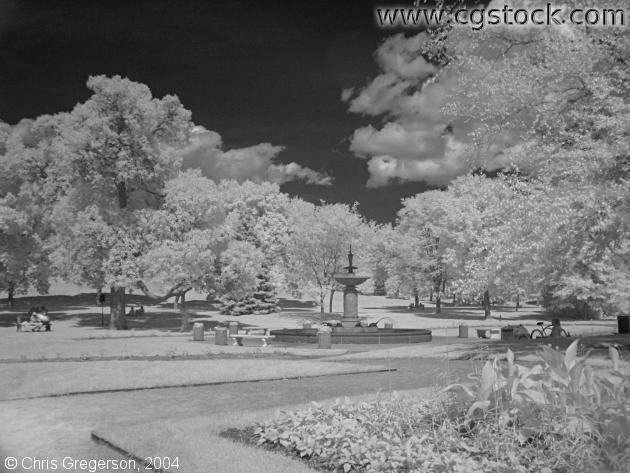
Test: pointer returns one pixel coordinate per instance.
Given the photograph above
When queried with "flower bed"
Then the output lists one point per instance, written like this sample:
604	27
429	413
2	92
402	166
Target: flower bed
559	415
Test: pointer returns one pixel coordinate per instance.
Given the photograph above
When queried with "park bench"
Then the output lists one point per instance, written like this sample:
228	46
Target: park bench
488	333
28	326
255	334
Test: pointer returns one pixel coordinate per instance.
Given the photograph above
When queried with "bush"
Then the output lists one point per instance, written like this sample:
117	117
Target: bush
263	301
571	397
557	416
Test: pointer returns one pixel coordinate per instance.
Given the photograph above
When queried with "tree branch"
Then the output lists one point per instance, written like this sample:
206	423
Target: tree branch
175	290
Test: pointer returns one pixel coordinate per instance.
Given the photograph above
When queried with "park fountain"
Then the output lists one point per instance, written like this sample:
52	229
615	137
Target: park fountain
350	281
351	329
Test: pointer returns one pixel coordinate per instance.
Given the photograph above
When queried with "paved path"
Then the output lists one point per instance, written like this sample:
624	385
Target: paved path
59	427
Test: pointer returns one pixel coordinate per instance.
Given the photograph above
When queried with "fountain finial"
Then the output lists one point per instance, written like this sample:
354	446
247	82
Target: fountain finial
350	268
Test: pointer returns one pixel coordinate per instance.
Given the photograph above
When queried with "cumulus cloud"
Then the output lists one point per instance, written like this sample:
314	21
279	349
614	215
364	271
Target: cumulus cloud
401	141
437	170
346	94
418	141
255	163
380	96
281	173
402	56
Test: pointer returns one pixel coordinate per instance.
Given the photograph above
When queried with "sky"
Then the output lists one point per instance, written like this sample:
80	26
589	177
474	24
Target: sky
264	82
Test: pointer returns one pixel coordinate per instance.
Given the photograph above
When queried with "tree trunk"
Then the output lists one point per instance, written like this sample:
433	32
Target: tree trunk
185	315
98	296
10	291
332	292
117	318
518	302
438	303
176	302
486	303
122	194
322	297
431	295
416	298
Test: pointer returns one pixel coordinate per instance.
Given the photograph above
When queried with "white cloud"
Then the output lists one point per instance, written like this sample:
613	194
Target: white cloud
255	163
402	57
436	170
380	96
281	173
400	141
419	141
346	94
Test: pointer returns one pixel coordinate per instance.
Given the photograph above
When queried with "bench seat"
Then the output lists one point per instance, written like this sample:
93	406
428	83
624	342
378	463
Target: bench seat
238	338
488	333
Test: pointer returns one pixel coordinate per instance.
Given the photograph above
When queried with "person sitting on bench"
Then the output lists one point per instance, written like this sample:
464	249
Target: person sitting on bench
40	318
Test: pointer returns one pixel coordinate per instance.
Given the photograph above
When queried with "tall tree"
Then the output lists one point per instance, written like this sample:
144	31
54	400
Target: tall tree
93	169
561	97
258	215
549	106
319	241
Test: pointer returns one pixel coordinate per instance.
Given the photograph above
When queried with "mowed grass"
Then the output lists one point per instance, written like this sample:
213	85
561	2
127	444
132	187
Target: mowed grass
196	444
26	380
201	448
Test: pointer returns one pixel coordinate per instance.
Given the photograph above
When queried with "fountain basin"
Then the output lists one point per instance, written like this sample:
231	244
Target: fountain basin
356	335
350	279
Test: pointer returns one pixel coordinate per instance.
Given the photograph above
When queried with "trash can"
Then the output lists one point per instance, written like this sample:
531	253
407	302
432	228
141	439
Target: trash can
463	331
324	339
623	323
220	336
507	333
233	328
198	332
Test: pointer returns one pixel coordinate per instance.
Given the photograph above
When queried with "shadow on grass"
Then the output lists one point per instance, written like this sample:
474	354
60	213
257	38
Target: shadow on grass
596	343
161	321
290	304
59	307
198	304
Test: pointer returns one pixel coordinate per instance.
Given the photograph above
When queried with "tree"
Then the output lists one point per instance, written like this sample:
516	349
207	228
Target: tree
563	92
551	110
319	241
92	169
257	214
23	259
24	256
243	281
215	238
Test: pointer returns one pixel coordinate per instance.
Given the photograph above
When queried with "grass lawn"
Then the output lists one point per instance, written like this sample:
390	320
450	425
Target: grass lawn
59	426
24	380
200	446
186	421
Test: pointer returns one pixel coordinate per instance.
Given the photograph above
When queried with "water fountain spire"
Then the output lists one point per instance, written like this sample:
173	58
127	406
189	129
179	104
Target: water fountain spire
350	268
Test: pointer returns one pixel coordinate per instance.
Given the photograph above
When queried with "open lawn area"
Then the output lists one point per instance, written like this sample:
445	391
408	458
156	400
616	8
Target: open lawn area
25	380
153	391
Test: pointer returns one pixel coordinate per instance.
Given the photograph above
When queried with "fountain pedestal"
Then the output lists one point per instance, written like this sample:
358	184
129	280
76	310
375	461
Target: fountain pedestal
350	298
350	307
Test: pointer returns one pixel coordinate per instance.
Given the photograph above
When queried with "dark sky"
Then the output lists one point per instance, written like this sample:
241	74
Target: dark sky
251	71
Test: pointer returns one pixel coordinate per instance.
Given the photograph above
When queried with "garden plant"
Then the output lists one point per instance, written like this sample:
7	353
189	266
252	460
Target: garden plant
558	415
